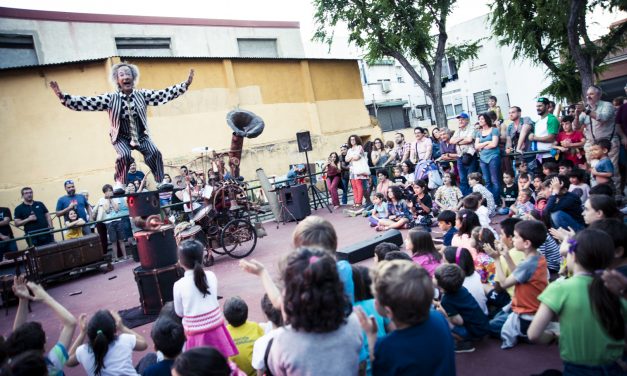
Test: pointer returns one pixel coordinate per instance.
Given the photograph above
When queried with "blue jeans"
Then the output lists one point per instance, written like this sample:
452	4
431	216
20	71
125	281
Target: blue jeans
463	174
564	220
491	172
345	185
571	369
496	324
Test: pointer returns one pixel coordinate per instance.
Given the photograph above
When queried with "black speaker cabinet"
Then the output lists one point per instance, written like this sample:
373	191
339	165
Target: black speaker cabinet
155	286
296	200
156	248
365	249
143	204
303	139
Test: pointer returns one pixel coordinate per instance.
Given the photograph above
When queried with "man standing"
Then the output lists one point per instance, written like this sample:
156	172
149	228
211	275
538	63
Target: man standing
73	201
6	233
127	110
464	141
545	131
34	216
134	174
345	173
599	121
517	132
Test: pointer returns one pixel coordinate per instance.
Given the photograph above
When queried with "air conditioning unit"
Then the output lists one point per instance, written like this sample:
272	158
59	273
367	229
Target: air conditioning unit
385	86
416	113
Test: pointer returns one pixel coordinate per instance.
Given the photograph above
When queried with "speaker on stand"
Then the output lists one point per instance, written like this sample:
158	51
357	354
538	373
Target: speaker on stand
303	139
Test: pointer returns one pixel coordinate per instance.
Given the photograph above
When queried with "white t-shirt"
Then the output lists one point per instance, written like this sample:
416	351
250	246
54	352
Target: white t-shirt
259	350
475	288
117	362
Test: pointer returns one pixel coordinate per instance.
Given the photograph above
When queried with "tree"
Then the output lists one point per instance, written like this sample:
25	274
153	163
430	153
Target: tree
401	29
555	34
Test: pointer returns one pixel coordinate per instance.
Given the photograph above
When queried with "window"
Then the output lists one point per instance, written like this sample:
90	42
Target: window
481	101
257	47
449	110
399	75
143	46
448	67
459	108
17	50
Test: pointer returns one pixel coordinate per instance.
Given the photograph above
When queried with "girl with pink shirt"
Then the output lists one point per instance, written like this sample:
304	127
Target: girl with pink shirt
196	301
464	223
423	251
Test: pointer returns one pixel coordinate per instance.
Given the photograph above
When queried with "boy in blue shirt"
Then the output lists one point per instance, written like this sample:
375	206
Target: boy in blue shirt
422	342
467	320
169	338
446	223
603	171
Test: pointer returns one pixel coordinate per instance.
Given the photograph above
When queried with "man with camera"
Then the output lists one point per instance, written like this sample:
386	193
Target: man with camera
597	118
464	141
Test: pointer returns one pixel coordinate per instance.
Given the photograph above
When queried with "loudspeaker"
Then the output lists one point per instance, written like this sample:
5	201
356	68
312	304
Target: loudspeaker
365	249
155	286
296	200
143	204
156	248
303	139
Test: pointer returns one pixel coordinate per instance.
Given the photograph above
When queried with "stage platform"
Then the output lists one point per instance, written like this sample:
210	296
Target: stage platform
102	291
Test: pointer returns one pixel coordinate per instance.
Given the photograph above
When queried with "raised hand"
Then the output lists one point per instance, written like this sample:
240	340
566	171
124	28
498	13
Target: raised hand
190	78
253	267
118	320
55	87
368	323
20	289
38	292
82	322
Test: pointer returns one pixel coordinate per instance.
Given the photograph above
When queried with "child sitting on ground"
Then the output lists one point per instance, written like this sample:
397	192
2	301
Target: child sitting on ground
592	319
578	185
243	332
474	202
260	361
398	178
201	360
467	321
523	204
466	220
472	280
422	339
446	223
484	264
169	338
419	243
530	278
475	180
382	249
379	210
447	196
509	193
397	255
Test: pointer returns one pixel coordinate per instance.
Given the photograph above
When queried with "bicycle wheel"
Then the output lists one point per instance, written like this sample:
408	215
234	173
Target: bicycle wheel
238	238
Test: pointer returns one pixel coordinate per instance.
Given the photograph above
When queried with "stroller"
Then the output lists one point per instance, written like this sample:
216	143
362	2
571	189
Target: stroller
430	172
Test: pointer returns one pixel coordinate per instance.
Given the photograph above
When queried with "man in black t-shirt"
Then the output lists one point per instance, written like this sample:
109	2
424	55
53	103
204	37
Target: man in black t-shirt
34	216
6	233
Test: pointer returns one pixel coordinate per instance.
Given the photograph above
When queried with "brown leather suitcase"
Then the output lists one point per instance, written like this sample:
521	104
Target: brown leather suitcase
67	255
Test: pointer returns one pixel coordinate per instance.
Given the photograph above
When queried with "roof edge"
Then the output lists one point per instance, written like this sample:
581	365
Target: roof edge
45	15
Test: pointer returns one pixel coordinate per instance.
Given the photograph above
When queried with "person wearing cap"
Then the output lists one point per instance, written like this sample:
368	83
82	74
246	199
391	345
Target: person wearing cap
464	141
598	119
545	130
74	201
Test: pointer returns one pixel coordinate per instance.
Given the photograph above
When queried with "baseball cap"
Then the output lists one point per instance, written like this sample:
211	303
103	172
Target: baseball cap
463	115
543	100
68	182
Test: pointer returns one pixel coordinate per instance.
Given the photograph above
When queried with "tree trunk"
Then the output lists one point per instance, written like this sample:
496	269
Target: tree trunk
582	59
438	105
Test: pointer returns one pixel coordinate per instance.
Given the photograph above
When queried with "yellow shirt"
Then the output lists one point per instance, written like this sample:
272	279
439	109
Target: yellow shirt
244	337
74	232
517	256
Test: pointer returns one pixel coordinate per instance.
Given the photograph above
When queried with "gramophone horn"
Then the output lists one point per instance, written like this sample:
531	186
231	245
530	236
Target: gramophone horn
245	123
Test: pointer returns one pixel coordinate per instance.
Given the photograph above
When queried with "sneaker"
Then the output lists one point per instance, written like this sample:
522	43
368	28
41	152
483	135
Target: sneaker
464	347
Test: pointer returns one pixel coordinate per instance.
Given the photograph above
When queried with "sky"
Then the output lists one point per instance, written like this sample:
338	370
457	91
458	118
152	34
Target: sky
274	10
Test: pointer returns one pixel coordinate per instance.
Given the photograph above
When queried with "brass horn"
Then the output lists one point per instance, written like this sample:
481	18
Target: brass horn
244	124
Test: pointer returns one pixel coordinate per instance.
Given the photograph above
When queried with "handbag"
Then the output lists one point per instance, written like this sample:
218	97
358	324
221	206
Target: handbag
467	159
360	166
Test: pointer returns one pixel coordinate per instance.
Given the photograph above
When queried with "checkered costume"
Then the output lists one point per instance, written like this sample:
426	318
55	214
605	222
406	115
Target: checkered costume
129	124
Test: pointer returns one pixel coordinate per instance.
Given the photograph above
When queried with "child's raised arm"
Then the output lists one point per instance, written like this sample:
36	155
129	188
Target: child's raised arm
256	268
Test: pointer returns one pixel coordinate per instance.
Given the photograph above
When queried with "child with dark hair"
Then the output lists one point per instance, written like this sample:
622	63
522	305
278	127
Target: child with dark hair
196	301
484	239
421	205
447	196
507	242
592	319
603	170
578	184
30	336
466	319
530	278
243	332
509	193
420	244
106	353
522	205
74	224
472	279
399	215
397	255
466	220
617	230
549	168
382	249
379	210
28	363
446	223
474	202
322	337
475	180
566	167
202	361
421	341
260	358
602	189
563	208
169	338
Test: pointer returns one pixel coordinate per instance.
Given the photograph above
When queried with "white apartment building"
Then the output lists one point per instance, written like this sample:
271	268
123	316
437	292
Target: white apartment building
35	37
399	102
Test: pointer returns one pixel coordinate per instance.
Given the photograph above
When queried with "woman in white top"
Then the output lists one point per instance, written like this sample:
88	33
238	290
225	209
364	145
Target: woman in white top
422	148
106	353
472	282
354	156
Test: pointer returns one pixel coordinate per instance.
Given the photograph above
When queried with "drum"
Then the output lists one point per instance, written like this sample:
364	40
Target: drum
156	248
203	217
155	286
194	232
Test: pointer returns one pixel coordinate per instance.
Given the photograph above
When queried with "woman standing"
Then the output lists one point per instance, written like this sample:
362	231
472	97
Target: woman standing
332	169
378	156
487	144
359	169
435	143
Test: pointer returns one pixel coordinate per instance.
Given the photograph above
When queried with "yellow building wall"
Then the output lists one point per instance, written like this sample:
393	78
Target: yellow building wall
44	143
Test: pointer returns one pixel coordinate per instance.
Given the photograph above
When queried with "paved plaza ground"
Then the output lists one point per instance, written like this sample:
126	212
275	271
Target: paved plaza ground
101	292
